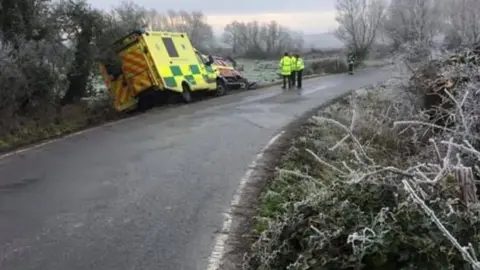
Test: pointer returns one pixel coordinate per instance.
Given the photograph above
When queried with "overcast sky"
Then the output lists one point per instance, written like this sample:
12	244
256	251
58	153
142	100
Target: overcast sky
310	16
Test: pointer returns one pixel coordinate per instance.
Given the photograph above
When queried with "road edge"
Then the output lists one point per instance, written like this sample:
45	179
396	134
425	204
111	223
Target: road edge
279	82
234	239
43	142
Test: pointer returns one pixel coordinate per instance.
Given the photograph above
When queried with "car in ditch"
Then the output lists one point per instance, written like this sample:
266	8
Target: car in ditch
228	77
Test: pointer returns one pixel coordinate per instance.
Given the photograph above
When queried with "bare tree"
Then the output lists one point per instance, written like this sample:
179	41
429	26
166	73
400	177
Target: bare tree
196	26
235	35
359	22
409	21
254	39
193	23
124	18
463	22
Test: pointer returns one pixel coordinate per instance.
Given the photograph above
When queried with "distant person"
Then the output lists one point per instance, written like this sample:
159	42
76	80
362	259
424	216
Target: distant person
286	70
294	69
351	56
351	59
299	67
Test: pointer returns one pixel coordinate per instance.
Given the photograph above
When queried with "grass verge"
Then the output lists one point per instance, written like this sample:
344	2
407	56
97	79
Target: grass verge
27	131
355	191
240	235
51	123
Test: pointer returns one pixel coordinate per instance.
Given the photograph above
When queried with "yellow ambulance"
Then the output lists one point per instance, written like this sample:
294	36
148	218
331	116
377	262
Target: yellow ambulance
143	65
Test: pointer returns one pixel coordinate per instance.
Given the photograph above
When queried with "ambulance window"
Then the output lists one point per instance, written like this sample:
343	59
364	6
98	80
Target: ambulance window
170	46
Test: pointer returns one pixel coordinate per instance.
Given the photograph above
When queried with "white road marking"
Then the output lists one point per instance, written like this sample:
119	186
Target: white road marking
218	251
316	89
22	150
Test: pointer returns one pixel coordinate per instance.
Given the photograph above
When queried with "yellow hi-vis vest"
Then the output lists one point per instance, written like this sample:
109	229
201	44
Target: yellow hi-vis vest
294	63
286	65
299	65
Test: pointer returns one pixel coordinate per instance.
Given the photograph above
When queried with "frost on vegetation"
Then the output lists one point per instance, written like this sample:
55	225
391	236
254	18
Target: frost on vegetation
267	71
33	79
385	179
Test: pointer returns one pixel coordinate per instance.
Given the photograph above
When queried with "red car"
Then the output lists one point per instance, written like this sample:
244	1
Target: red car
230	78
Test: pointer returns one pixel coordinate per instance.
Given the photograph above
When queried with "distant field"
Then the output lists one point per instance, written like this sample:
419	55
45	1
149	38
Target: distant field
260	71
264	71
267	71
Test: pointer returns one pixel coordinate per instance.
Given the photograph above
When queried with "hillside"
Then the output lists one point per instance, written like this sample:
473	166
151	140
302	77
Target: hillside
322	41
318	41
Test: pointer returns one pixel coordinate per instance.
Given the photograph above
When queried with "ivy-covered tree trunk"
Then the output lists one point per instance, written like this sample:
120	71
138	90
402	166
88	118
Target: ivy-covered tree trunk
81	66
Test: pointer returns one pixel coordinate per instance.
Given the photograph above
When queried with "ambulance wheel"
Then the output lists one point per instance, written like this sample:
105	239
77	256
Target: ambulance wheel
186	93
221	88
145	102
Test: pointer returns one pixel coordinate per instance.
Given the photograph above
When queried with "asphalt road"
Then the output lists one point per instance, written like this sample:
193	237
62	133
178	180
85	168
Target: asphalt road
146	193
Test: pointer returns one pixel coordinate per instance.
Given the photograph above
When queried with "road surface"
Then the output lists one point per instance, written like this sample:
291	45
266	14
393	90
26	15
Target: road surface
147	193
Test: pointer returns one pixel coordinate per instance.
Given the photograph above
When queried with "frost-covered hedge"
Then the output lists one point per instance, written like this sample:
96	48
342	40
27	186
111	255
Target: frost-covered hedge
33	79
377	182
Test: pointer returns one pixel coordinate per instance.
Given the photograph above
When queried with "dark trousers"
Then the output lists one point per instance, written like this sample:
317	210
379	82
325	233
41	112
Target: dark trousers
292	77
350	67
287	79
299	78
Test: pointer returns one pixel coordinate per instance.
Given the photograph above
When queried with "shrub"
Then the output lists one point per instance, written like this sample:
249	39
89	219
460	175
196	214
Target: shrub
329	66
29	99
362	226
362	189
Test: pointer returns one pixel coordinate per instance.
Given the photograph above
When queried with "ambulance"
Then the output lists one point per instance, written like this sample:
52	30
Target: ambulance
143	65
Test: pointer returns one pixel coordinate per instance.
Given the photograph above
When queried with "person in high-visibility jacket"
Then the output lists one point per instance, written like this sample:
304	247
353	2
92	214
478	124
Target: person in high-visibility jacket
286	70
299	67
294	70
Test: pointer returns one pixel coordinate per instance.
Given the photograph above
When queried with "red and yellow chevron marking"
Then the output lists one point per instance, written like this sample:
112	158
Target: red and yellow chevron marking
123	93
120	92
105	76
141	82
134	63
